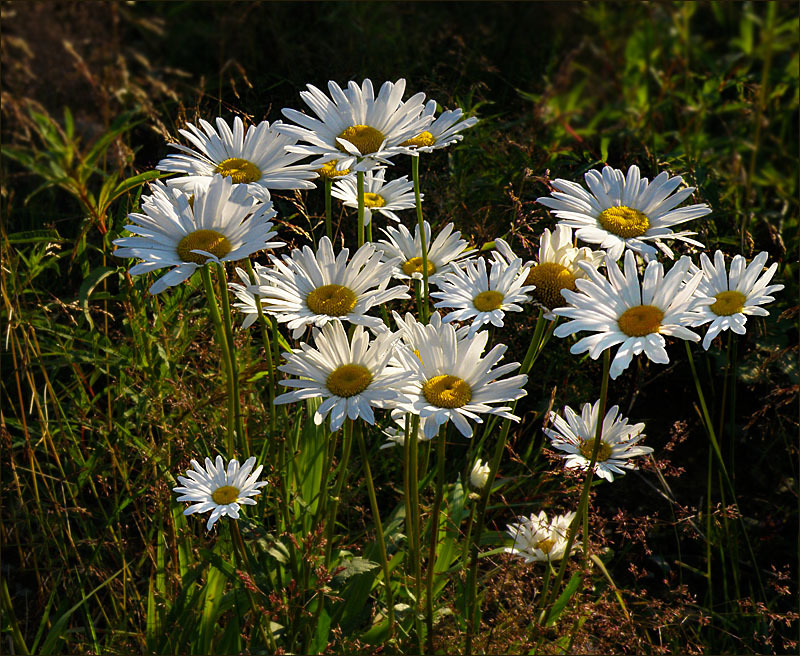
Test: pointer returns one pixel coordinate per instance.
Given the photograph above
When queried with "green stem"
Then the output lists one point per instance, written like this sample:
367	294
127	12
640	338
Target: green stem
360	189
330	528
373	500
437	505
213	309
411	480
423	239
328	212
262	324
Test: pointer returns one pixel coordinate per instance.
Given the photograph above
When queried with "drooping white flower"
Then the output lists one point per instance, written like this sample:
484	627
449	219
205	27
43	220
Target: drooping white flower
382	197
726	300
219	489
625	211
621	310
575	434
536	539
479	474
223	223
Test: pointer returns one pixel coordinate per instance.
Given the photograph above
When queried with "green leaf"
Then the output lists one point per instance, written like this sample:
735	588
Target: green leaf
87	287
563	599
35	237
357	565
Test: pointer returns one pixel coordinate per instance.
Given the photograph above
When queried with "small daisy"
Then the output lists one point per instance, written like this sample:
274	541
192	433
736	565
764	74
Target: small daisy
447	379
311	289
357	129
576	436
222	224
247	300
442	132
381	197
625	212
484	297
620	310
725	300
328	171
255	156
407	251
536	539
396	434
352	376
556	269
221	491
479	474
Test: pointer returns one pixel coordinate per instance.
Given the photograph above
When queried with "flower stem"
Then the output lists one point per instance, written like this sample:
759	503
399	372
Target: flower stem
373	500
360	189
328	212
331	526
262	323
437	505
411	481
423	238
213	309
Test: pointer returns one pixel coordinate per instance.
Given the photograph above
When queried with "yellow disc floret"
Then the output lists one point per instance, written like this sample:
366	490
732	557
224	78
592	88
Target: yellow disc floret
447	391
333	300
329	170
728	303
624	222
422	139
640	320
373	200
415	265
240	170
225	495
488	301
366	139
545	545
204	240
550	278
603	452
348	380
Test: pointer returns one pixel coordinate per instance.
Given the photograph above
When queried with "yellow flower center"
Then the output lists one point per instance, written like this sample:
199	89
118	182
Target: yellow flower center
640	320
333	300
624	221
603	453
349	380
329	171
240	170
225	495
204	240
373	200
422	139
447	391
363	137
488	301
550	278
414	265
545	545
728	303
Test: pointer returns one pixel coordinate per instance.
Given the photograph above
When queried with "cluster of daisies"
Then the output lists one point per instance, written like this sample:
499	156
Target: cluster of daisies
218	209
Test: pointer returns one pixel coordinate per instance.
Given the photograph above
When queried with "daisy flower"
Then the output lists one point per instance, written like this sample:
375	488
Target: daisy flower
247	300
407	251
311	289
536	539
576	436
447	379
379	196
442	132
222	224
480	296
396	434
726	300
255	156
625	212
354	127
352	376
479	474
558	266
220	490
620	310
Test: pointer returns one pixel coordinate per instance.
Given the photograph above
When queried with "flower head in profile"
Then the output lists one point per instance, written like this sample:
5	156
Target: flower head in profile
311	289
443	132
222	224
353	126
353	376
449	378
406	251
536	539
480	296
621	310
219	489
725	300
479	474
255	156
246	303
575	434
625	212
382	197
396	432
558	266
